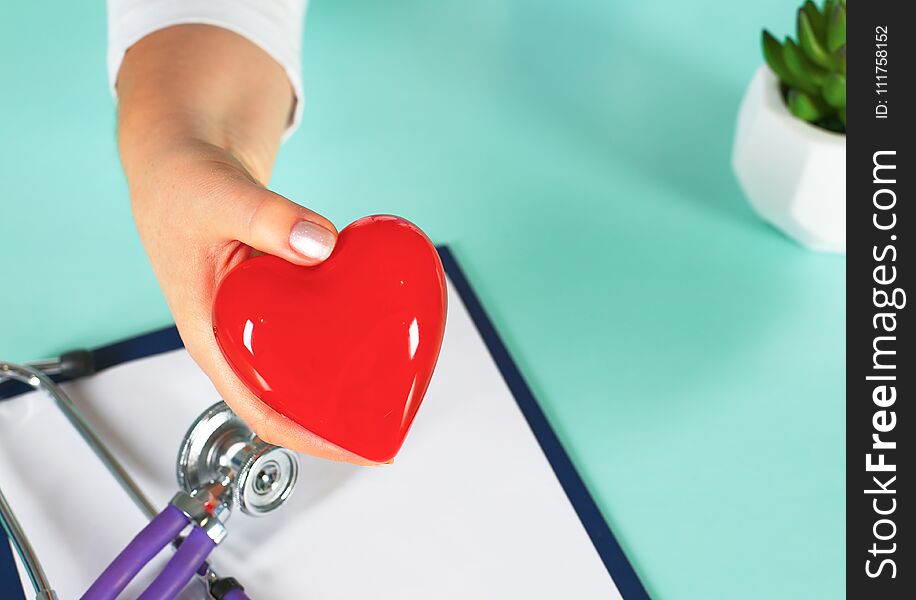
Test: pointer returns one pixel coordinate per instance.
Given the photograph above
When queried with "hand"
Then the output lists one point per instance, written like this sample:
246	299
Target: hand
201	114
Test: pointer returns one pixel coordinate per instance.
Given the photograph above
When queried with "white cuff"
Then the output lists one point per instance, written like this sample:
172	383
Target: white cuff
274	25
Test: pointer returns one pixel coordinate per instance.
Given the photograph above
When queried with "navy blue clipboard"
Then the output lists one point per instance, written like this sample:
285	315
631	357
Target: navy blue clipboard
605	543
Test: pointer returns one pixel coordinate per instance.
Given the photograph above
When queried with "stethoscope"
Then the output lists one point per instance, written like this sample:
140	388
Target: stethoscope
221	464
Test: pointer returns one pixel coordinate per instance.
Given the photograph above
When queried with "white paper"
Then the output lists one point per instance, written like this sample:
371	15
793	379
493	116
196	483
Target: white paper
470	509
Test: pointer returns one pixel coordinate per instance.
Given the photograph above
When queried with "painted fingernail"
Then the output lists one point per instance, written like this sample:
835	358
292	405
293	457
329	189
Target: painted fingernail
311	240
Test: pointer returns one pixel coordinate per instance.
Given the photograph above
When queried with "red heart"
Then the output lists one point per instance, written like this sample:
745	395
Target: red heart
345	349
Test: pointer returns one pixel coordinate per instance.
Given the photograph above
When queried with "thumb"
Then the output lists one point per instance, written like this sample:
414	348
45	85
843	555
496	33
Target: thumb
272	224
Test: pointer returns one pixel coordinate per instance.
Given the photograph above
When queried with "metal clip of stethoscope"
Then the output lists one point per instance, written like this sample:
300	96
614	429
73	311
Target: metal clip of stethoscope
221	464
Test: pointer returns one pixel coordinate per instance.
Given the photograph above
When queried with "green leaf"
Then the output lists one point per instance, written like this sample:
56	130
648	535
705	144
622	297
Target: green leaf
835	90
840	59
806	107
836	28
808	41
772	52
809	77
842	115
818	20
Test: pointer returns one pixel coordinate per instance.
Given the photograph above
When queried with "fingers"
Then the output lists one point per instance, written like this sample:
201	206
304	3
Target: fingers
274	225
270	426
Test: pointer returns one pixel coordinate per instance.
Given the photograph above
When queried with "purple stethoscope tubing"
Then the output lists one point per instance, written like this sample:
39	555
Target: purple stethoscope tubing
190	558
157	534
186	561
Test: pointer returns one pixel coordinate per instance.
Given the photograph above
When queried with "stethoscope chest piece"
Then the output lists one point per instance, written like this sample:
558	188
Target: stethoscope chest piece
220	447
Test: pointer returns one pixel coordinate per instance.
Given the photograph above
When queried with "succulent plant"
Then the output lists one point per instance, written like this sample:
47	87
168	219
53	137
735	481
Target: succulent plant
812	69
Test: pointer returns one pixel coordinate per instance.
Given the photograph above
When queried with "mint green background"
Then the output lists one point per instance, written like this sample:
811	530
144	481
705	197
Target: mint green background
575	155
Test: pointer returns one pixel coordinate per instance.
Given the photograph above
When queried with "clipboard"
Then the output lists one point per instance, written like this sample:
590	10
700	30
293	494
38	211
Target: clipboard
622	581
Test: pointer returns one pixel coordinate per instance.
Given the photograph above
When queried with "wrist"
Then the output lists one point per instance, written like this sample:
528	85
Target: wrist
201	86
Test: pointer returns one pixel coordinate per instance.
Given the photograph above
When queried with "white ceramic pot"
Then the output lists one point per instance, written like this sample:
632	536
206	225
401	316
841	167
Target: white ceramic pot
793	173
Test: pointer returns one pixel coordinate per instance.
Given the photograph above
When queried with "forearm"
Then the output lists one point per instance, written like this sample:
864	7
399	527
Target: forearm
201	85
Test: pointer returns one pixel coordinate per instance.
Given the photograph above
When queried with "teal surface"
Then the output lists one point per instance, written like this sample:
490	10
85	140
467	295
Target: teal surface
575	155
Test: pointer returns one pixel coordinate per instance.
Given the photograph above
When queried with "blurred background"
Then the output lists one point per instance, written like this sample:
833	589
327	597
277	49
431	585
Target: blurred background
575	156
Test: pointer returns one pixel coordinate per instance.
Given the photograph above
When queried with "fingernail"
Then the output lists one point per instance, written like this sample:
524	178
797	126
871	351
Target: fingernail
311	240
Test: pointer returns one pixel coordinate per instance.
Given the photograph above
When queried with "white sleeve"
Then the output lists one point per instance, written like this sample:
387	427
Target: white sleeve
274	25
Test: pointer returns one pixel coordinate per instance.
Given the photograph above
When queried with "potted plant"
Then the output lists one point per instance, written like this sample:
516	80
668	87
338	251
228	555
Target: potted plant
789	152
